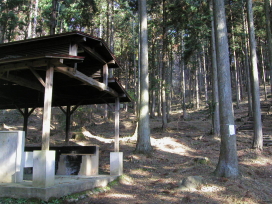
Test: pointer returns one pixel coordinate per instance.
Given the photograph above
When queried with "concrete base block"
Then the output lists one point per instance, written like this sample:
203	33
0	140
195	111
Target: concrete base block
43	168
90	164
116	163
12	156
61	165
28	159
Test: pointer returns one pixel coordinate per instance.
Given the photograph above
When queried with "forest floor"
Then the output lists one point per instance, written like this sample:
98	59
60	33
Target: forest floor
156	178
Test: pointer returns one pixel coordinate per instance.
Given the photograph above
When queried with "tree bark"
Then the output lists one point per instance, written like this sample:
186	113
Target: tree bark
143	140
248	80
267	7
228	162
53	17
183	84
215	101
163	90
258	133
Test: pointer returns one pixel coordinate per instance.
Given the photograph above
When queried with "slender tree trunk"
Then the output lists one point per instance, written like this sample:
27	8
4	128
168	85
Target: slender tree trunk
258	133
34	33
29	32
267	7
135	72
215	101
205	75
183	84
164	59
112	27
143	140
263	72
159	89
53	17
197	82
228	162
245	28
236	80
153	92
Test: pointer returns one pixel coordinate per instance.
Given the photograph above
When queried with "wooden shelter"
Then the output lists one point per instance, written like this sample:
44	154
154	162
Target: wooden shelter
64	70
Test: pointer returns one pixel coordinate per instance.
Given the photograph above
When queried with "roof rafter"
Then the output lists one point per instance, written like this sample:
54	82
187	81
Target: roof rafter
84	78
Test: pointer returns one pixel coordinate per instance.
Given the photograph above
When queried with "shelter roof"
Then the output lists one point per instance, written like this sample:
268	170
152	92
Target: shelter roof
80	64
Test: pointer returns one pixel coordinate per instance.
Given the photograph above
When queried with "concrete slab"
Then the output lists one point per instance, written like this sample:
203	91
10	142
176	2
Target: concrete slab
64	185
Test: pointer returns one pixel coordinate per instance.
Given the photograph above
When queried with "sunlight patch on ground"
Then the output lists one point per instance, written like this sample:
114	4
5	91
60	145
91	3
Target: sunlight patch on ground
259	160
212	188
170	145
101	139
7	127
118	195
139	172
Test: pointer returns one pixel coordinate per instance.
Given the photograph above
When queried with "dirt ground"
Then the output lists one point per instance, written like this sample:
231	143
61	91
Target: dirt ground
156	178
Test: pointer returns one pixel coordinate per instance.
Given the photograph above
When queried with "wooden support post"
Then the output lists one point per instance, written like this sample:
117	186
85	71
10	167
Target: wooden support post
68	114
68	120
26	115
117	116
25	121
73	51
105	74
106	81
47	107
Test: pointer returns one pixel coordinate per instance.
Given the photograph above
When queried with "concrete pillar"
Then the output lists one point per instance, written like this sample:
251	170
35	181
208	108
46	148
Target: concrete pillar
116	163
43	168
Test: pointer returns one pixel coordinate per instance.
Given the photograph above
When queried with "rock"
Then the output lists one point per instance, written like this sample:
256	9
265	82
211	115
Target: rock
202	160
191	182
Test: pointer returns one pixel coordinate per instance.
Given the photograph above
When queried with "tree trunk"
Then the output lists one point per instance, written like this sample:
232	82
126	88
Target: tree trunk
263	73
228	162
183	84
245	28
34	33
143	141
53	17
205	75
29	32
267	7
197	82
258	133
164	59
215	101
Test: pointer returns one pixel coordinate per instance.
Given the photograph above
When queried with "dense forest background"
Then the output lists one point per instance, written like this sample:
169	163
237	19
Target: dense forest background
179	41
183	81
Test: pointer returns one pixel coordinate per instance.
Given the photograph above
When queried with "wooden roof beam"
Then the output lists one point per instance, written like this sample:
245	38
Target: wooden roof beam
38	61
24	65
23	82
92	53
37	76
84	78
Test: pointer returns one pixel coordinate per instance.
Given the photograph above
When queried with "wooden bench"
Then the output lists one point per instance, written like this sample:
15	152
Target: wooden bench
87	156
